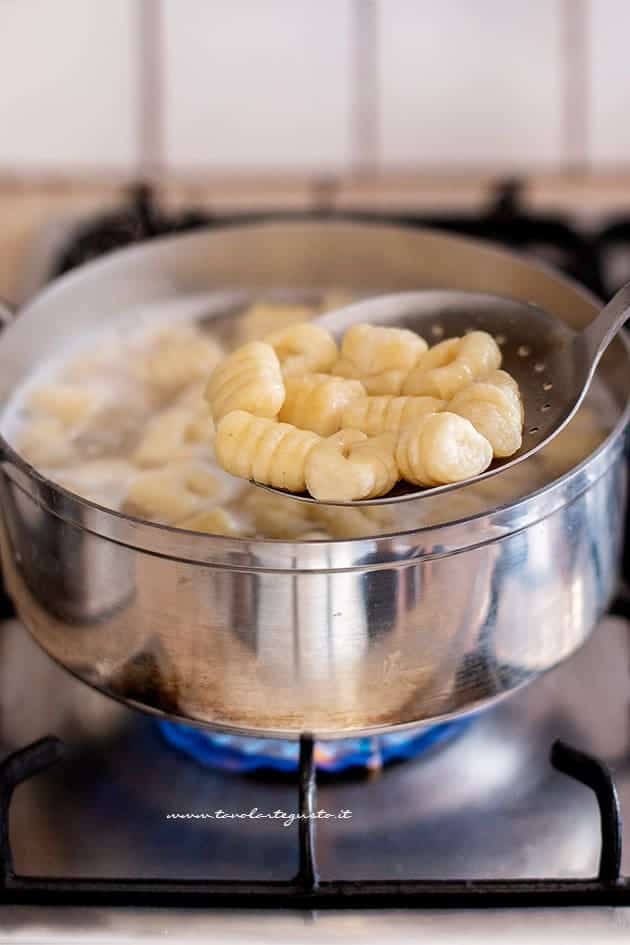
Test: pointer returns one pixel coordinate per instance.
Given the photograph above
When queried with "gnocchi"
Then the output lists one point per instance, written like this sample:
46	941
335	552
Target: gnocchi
45	442
374	415
263	318
264	450
317	401
274	517
451	364
180	355
446	448
380	357
249	379
213	521
350	465
495	411
172	493
70	404
303	348
171	435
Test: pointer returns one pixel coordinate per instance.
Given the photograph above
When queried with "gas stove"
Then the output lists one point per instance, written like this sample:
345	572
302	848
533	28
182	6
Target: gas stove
113	824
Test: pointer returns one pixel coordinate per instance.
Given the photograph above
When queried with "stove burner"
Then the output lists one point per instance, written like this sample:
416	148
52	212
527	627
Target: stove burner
241	754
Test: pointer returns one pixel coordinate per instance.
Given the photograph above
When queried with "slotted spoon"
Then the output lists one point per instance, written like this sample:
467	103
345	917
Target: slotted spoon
553	364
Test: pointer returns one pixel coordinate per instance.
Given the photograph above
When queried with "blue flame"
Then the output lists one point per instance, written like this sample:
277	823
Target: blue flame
244	754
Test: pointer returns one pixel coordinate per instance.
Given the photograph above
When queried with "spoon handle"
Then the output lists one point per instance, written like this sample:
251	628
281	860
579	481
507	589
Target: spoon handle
599	333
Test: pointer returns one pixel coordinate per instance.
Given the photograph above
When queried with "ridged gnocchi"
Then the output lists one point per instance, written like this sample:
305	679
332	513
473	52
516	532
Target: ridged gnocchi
174	434
70	404
263	318
495	411
213	521
380	357
446	448
388	414
366	441
350	465
249	379
317	401
172	493
179	356
264	450
274	516
44	442
303	348
451	364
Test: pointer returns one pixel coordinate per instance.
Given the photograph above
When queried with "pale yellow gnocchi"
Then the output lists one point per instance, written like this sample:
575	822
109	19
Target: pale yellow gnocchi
495	411
445	449
264	450
273	516
451	364
249	379
263	318
380	357
303	348
317	401
70	404
167	439
44	442
179	356
388	414
350	465
172	493
213	521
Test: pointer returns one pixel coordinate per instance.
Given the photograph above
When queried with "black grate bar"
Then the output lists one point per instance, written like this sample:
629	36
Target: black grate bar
307	876
18	767
364	894
597	776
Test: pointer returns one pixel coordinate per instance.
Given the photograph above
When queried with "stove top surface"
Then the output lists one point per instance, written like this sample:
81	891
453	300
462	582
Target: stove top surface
487	805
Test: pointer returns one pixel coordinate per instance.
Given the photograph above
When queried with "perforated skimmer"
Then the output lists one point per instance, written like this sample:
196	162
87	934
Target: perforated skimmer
553	364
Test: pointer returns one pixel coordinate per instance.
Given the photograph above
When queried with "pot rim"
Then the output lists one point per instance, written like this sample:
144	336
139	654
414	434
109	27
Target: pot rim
269	554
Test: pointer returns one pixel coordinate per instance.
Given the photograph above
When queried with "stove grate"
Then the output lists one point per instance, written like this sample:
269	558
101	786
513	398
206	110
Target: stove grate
306	890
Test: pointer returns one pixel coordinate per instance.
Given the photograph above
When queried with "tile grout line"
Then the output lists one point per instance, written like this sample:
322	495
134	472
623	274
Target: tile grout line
575	95
150	78
364	87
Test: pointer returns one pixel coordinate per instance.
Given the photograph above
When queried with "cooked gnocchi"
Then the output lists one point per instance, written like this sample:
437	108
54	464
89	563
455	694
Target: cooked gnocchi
451	364
495	411
249	379
106	428
380	357
350	465
446	448
172	493
264	450
388	414
303	348
317	401
178	356
458	410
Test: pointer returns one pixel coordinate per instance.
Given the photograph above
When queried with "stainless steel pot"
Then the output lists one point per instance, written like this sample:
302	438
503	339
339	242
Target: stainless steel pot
333	637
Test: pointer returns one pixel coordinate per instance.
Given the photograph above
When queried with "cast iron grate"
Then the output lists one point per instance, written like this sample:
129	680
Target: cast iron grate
306	890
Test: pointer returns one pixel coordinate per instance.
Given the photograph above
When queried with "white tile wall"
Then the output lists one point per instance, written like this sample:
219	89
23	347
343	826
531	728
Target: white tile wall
277	85
608	31
258	82
470	83
67	83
